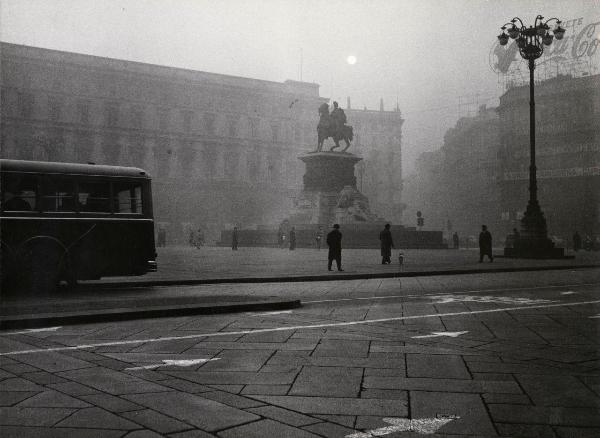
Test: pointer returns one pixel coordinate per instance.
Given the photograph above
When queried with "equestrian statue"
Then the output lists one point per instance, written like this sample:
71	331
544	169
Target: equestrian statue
333	125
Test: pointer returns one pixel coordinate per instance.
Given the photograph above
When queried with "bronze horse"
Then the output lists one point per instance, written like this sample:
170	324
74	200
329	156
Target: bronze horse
326	128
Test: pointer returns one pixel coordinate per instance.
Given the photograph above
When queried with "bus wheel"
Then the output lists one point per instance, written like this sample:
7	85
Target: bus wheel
40	268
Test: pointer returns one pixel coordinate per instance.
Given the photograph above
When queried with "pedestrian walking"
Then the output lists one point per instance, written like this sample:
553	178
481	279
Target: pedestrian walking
234	239
385	238
455	240
319	237
485	244
576	241
162	237
293	239
334	241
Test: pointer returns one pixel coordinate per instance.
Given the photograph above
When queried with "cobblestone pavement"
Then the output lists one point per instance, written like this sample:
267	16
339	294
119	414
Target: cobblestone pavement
466	356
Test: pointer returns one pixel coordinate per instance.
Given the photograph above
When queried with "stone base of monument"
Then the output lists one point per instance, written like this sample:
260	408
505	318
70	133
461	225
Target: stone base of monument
330	196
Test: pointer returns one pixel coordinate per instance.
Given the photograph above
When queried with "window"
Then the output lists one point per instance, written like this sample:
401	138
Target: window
209	123
58	195
136	117
83	108
127	198
253	123
275	128
26	101
94	197
19	192
112	114
232	124
55	105
163	119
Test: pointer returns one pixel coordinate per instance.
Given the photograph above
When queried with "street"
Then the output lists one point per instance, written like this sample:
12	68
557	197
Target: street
473	355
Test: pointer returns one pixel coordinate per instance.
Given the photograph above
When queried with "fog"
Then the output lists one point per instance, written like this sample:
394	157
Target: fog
427	56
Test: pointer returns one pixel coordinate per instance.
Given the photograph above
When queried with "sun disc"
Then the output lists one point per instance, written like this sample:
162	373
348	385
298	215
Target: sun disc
351	59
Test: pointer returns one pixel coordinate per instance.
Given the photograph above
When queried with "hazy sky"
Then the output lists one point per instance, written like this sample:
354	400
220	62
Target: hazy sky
425	54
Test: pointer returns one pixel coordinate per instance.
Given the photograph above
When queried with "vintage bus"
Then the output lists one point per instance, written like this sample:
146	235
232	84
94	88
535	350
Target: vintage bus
66	221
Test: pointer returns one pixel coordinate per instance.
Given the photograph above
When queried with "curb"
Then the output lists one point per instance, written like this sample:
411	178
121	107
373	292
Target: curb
324	277
120	314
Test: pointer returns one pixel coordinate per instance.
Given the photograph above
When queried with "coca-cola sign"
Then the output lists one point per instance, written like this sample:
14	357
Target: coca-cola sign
581	40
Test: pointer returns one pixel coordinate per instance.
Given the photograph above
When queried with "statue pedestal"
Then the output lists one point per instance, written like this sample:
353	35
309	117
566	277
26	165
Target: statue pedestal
329	171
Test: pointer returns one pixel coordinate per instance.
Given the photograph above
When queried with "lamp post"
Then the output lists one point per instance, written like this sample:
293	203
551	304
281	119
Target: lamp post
533	242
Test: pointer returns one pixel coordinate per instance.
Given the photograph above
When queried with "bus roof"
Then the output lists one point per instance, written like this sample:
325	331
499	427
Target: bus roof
70	168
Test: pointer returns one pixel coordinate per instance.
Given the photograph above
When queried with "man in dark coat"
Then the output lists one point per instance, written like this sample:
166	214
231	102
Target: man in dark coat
387	244
455	240
576	241
334	241
485	244
234	239
293	239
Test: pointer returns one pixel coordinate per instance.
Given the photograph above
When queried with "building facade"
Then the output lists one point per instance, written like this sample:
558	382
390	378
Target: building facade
481	174
222	150
567	154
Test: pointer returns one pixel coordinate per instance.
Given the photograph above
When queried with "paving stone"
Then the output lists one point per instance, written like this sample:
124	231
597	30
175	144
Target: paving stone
110	402
241	378
337	406
516	399
53	362
525	430
367	422
19	384
143	434
342	348
192	434
73	388
19	368
344	420
46	417
238	360
232	399
385	372
184	385
281	336
6	375
329	430
559	416
381	361
328	381
57	432
592	382
283	415
388	394
206	414
234	389
11	398
566	391
156	421
428	365
266	389
98	419
53	399
43	378
112	382
450	385
493	376
473	419
577	432
266	428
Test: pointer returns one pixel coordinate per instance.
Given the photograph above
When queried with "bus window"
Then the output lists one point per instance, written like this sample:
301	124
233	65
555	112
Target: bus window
94	196
19	192
58	195
128	197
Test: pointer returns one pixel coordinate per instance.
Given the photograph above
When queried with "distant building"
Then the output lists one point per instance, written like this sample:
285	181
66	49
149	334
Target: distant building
567	154
222	150
481	174
378	139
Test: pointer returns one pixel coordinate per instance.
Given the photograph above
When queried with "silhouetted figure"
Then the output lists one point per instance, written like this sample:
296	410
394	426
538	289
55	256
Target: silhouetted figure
455	240
516	234
293	239
485	244
339	118
234	239
319	237
576	241
162	237
280	237
385	237
334	241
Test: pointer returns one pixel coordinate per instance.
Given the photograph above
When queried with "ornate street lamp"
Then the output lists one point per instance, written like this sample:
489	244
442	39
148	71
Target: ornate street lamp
533	242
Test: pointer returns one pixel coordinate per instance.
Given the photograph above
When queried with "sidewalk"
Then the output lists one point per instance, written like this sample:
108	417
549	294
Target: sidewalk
187	265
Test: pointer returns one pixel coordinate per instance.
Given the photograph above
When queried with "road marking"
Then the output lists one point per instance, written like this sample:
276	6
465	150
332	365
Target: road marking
24	332
475	291
280	312
297	327
423	426
569	292
445	299
595	316
436	334
173	363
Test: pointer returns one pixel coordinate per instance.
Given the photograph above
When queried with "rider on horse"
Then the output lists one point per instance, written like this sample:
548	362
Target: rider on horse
339	118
